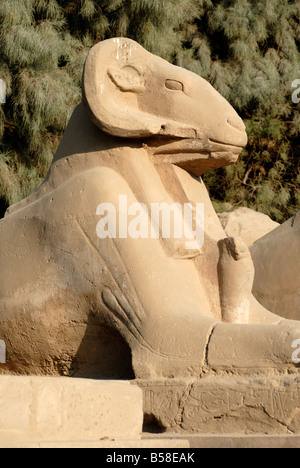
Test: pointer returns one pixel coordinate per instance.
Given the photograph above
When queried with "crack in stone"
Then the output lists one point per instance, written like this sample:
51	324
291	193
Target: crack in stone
208	343
181	406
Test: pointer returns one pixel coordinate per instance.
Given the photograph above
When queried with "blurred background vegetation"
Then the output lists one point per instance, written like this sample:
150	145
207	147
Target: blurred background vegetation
248	50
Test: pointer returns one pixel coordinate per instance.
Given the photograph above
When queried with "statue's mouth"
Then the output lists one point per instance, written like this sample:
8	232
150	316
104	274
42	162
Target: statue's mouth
191	146
197	156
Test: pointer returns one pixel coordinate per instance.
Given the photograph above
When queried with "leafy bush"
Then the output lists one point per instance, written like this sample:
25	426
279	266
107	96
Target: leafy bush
249	51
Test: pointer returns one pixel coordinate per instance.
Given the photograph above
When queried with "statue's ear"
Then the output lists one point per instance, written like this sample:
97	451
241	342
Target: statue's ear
127	79
112	81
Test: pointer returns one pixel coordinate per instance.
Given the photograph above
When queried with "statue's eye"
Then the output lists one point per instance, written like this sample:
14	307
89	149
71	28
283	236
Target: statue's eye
174	85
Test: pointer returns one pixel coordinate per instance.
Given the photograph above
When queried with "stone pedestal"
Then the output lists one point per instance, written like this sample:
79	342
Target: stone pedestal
66	409
225	404
58	412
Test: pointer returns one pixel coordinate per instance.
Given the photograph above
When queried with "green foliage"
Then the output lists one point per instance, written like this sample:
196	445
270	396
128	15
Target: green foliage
248	50
41	92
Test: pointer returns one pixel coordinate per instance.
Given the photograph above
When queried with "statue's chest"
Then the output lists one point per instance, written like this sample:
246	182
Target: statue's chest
179	201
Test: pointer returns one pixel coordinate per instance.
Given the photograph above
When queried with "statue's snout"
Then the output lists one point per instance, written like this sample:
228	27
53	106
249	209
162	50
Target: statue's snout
235	131
228	130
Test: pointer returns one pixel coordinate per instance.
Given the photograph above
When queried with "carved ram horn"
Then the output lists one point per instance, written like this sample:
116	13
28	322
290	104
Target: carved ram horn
110	74
113	79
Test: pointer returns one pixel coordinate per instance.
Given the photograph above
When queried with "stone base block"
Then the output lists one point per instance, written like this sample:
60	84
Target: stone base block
224	404
237	441
67	409
155	443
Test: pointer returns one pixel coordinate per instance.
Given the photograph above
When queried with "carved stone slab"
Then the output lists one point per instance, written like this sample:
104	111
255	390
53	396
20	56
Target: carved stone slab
63	409
225	404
